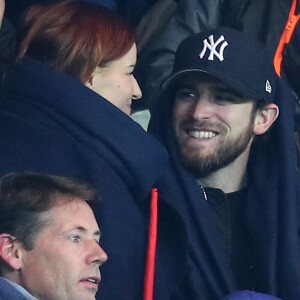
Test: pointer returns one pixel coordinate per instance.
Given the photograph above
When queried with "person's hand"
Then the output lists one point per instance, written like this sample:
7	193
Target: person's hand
2	9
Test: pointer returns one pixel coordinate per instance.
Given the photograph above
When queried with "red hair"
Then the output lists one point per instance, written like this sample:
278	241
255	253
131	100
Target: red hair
73	37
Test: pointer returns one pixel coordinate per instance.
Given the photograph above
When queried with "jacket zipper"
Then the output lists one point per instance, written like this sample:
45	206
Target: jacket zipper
204	193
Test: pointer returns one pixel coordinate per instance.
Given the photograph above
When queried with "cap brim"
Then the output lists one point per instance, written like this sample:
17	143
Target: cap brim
243	89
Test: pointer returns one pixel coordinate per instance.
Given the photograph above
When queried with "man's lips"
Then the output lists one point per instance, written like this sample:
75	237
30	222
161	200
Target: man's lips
92	281
202	130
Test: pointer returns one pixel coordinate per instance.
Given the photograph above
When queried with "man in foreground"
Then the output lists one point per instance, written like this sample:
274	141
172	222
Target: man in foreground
49	239
227	122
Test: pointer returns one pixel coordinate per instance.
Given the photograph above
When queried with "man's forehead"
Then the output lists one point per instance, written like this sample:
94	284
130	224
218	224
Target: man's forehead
67	214
195	80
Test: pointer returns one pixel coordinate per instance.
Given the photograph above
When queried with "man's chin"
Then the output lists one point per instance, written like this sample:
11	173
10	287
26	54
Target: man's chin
198	166
192	157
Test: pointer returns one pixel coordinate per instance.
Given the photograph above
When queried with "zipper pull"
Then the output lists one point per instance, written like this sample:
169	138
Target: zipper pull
204	192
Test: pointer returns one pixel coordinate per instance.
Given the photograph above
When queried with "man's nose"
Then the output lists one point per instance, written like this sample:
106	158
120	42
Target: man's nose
97	255
203	108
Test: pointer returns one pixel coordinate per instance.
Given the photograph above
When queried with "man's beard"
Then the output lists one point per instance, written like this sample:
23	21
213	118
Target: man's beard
224	154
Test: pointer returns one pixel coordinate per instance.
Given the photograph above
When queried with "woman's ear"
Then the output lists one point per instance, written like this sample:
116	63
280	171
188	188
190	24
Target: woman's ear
265	117
10	251
89	83
97	72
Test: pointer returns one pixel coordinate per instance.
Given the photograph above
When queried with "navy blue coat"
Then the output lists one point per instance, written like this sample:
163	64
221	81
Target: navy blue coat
50	122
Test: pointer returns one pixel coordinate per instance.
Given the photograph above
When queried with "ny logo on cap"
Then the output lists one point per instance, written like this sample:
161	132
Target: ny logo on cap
268	87
212	46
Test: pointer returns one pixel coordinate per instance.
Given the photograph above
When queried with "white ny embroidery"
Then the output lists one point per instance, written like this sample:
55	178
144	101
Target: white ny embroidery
212	47
268	87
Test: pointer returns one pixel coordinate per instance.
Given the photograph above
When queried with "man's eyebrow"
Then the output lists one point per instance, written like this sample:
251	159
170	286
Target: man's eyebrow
84	230
80	228
227	90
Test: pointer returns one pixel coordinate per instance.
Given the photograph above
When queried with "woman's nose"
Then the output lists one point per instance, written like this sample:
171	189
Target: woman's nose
137	93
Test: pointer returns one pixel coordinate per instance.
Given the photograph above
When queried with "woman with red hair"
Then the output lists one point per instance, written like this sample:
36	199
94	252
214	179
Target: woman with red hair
64	110
89	43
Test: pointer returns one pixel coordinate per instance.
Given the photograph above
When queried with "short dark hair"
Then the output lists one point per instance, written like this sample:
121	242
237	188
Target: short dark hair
73	37
25	197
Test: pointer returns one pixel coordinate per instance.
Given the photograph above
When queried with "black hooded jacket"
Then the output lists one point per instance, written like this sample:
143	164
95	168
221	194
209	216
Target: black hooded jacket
270	217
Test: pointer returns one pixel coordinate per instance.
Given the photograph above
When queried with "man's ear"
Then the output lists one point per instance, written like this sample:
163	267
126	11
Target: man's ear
265	117
10	251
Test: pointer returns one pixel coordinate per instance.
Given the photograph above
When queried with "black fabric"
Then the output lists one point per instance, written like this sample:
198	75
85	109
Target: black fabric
134	10
205	268
265	21
229	212
6	35
17	8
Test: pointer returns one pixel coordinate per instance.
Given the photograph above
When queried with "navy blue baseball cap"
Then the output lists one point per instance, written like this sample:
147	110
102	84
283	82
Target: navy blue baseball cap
231	57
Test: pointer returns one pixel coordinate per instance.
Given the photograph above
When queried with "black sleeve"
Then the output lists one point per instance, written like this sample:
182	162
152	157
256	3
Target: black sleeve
6	34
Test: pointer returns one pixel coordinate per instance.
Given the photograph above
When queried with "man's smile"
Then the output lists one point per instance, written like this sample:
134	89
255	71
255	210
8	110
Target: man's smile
201	134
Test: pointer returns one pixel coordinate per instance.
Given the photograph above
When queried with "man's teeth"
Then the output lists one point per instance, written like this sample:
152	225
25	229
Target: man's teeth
91	280
201	134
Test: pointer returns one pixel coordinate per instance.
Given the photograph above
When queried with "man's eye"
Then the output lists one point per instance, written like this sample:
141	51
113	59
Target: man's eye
75	238
225	98
185	95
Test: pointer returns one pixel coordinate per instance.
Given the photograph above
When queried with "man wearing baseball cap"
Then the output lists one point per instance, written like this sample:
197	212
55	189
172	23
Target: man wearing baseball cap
227	122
